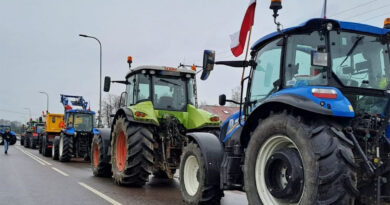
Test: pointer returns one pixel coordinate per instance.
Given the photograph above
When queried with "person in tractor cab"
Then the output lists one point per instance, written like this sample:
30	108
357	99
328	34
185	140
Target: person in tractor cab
7	138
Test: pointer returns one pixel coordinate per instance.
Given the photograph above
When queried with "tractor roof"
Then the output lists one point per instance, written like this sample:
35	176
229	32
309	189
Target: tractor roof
81	111
315	23
160	68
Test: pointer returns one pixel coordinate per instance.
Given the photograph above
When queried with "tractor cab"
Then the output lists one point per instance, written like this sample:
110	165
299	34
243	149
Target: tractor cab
80	121
166	87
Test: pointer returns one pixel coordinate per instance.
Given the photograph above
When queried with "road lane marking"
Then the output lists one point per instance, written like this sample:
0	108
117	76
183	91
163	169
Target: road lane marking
38	158
107	198
59	171
40	162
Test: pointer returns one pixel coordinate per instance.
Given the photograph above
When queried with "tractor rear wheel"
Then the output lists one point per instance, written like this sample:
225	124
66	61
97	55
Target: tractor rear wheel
27	141
65	148
131	153
289	161
13	140
32	142
54	150
99	162
193	178
45	150
21	141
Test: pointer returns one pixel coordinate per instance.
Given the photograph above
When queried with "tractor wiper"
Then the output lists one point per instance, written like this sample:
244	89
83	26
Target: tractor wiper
352	49
167	81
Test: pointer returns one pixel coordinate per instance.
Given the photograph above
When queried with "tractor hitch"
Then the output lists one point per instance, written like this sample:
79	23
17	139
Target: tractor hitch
368	165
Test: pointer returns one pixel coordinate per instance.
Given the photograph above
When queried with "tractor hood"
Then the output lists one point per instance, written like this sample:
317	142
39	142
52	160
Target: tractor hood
192	119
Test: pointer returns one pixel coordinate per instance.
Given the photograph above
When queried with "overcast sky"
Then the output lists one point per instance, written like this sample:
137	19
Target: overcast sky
40	48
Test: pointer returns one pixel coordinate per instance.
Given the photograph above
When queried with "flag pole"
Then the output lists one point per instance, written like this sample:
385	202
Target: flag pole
246	55
243	72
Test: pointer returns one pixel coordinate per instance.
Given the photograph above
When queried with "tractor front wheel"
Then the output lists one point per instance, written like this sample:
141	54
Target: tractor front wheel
65	148
289	161
193	178
131	153
99	162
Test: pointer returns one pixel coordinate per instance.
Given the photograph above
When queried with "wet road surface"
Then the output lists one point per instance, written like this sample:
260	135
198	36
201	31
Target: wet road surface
26	177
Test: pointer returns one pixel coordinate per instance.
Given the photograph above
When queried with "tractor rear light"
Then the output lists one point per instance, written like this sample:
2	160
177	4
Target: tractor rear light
214	119
140	114
324	93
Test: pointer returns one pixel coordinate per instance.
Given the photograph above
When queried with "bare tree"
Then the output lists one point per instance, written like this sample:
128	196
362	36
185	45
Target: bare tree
109	107
236	96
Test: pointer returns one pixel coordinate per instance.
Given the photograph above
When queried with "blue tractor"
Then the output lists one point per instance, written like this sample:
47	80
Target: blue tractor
313	127
78	130
2	131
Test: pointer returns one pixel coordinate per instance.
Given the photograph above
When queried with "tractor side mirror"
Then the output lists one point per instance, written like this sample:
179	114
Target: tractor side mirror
107	83
319	58
222	100
208	63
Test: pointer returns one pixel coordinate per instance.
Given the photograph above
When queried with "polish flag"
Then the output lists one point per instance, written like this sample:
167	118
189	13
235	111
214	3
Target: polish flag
239	38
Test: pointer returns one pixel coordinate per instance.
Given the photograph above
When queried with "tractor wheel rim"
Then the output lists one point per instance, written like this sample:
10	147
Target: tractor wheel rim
61	145
121	151
95	156
273	144
191	168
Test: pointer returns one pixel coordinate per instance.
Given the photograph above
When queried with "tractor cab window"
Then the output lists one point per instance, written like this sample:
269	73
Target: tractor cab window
39	129
360	60
169	93
142	88
83	122
130	90
266	73
69	120
191	91
299	68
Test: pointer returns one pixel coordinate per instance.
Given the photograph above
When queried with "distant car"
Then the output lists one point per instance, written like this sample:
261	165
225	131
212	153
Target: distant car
2	131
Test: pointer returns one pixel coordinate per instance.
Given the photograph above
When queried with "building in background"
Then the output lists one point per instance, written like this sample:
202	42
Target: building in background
223	112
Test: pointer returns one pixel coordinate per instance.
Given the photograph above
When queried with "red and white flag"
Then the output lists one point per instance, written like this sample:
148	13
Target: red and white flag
239	38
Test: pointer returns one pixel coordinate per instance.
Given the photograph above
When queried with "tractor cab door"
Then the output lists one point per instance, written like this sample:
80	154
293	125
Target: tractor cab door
264	78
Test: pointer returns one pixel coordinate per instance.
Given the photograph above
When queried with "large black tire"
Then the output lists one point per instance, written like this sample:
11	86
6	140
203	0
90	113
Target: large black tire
202	193
13	140
27	141
32	143
325	153
46	151
65	148
138	141
40	145
99	162
21	141
54	150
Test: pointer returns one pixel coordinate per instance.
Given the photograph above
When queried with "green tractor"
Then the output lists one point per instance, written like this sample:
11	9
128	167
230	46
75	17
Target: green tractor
148	134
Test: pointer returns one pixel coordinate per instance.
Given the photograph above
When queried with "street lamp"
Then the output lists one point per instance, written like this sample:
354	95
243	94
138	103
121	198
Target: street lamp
100	80
29	111
47	100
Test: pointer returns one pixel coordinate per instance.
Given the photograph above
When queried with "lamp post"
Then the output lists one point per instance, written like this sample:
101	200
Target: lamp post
29	111
47	100
100	80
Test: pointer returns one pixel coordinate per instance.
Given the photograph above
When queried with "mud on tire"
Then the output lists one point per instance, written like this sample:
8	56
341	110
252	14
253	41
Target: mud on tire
99	163
131	153
192	186
326	155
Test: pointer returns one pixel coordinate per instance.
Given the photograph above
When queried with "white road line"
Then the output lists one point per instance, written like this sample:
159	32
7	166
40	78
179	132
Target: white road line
31	156
59	171
107	198
38	158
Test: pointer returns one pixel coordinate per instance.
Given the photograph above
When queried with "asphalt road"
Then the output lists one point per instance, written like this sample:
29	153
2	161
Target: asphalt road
28	178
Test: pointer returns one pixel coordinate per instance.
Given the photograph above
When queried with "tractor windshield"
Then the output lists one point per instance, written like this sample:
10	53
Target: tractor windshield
360	60
81	121
169	93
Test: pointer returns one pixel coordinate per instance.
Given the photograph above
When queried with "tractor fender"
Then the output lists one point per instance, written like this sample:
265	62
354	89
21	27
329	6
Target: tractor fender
105	134
279	103
124	111
212	151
